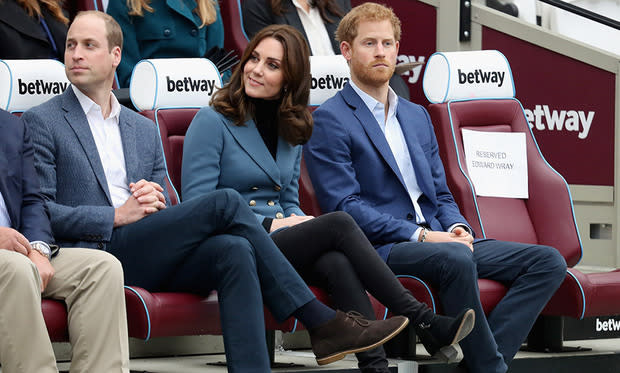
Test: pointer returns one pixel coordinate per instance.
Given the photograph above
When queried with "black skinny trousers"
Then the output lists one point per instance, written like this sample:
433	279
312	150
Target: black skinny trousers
332	252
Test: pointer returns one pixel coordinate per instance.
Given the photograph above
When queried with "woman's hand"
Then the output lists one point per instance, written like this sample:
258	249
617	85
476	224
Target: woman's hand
288	222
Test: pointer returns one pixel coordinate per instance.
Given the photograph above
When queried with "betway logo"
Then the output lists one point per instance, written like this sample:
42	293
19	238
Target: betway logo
481	76
610	325
413	74
40	86
188	84
328	82
543	118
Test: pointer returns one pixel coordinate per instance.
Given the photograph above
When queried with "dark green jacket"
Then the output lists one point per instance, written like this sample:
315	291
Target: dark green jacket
172	30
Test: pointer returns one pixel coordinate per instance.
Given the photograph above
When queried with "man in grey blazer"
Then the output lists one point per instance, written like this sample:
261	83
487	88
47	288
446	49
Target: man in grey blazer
87	281
101	170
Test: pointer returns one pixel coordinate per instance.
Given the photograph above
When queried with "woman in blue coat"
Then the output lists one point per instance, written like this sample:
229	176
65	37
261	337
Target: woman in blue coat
165	29
250	140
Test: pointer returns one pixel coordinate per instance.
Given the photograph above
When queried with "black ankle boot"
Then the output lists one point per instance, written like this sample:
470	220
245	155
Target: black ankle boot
441	334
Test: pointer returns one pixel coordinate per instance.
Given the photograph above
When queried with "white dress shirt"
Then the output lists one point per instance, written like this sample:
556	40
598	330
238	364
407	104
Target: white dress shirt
107	135
396	140
5	219
318	38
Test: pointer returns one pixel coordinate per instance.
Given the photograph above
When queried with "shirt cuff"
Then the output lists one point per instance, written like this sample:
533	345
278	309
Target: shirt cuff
462	225
416	235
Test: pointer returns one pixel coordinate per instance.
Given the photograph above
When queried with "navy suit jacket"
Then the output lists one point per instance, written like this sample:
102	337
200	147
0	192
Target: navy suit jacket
19	184
70	171
352	169
218	154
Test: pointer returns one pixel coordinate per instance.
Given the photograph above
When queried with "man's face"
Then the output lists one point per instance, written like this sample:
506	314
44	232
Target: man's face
372	54
89	63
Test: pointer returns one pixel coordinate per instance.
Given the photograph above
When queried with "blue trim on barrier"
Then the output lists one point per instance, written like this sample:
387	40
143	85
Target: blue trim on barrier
161	144
96	6
294	327
385	313
458	159
426	286
241	20
146	310
583	295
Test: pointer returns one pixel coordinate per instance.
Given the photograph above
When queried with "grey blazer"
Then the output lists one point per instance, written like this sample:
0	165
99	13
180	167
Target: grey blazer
257	14
70	170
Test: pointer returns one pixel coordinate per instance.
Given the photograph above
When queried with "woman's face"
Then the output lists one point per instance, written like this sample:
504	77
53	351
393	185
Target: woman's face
262	73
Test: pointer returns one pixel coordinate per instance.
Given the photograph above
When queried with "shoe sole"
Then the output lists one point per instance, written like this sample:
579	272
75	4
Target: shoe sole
340	355
450	353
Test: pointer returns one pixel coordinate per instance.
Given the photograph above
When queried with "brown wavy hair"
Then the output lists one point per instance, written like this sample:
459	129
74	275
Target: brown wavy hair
324	6
33	8
294	119
205	9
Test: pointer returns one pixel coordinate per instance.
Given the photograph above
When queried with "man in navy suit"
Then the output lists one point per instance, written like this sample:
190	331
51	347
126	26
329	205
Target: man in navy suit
87	281
101	168
375	156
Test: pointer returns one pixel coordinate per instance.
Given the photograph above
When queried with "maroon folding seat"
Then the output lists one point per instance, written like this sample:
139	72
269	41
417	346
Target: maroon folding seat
236	38
546	217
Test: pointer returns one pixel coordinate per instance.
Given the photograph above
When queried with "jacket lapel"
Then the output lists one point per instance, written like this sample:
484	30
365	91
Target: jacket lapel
130	145
372	129
247	136
420	166
76	119
184	8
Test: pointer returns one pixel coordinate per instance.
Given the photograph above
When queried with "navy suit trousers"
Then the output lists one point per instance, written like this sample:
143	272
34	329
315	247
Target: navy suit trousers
532	273
214	242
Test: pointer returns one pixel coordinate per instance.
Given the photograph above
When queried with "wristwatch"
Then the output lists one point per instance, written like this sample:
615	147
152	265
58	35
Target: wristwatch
42	248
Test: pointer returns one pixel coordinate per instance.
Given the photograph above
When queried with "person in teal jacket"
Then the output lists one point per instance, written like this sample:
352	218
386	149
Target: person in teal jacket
165	29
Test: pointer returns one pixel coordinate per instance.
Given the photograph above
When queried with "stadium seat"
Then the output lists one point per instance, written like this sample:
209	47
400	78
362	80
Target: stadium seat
546	216
236	38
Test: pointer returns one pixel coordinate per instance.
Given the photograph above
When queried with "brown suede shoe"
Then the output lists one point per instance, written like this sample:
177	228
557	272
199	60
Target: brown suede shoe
350	333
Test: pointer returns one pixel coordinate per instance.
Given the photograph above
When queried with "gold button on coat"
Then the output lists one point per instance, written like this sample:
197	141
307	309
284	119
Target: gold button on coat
277	188
279	215
254	188
252	203
271	203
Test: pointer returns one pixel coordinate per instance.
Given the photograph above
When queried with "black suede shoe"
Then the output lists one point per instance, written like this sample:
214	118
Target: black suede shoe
442	333
350	333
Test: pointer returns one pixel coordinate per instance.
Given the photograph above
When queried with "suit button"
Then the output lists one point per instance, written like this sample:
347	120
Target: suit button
271	203
277	188
252	203
409	217
100	245
167	32
194	32
254	188
279	215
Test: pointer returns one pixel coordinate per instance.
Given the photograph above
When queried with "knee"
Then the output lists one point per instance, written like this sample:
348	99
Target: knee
17	269
341	222
552	261
106	267
457	260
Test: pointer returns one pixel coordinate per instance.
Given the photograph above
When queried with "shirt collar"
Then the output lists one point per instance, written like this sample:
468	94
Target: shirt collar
371	102
87	104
